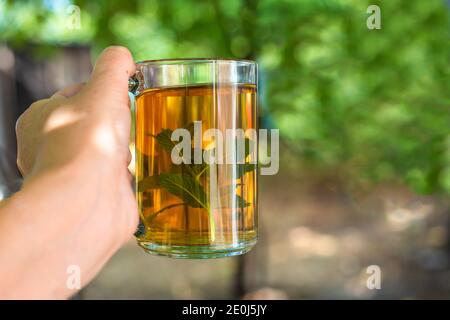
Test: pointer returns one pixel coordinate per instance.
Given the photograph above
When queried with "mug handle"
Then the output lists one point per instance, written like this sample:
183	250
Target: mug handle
133	85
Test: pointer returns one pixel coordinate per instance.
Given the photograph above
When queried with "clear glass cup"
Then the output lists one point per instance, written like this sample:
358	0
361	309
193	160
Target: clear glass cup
198	199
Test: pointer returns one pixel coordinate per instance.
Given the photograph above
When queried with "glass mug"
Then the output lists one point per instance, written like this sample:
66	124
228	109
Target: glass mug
199	201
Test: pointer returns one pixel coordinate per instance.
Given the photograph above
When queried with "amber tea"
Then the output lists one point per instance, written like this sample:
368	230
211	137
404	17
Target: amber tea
174	210
198	208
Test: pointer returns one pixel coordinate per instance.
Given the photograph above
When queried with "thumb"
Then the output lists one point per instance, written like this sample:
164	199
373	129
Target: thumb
108	85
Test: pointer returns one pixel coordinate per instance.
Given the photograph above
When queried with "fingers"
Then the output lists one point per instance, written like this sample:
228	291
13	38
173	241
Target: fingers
38	104
109	80
41	109
129	157
68	91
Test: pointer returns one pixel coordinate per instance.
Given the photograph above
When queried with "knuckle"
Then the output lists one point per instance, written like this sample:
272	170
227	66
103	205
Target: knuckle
21	167
24	118
20	123
36	105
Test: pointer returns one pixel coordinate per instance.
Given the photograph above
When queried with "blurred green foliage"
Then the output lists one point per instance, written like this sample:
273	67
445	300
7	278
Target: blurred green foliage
370	104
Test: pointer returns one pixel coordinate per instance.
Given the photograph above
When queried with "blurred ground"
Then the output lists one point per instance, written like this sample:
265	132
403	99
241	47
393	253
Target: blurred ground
316	241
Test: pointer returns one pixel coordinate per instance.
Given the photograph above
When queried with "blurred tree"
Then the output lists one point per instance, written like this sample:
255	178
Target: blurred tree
372	105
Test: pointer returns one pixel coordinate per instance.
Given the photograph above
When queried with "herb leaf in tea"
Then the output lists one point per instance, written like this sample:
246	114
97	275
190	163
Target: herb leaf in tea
187	185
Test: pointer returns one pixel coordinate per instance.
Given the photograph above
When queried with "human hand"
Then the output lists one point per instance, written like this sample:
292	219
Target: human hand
77	199
92	118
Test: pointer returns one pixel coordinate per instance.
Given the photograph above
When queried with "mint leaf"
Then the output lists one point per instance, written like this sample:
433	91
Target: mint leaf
247	147
164	140
243	168
226	192
190	127
150	182
147	202
185	187
240	202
